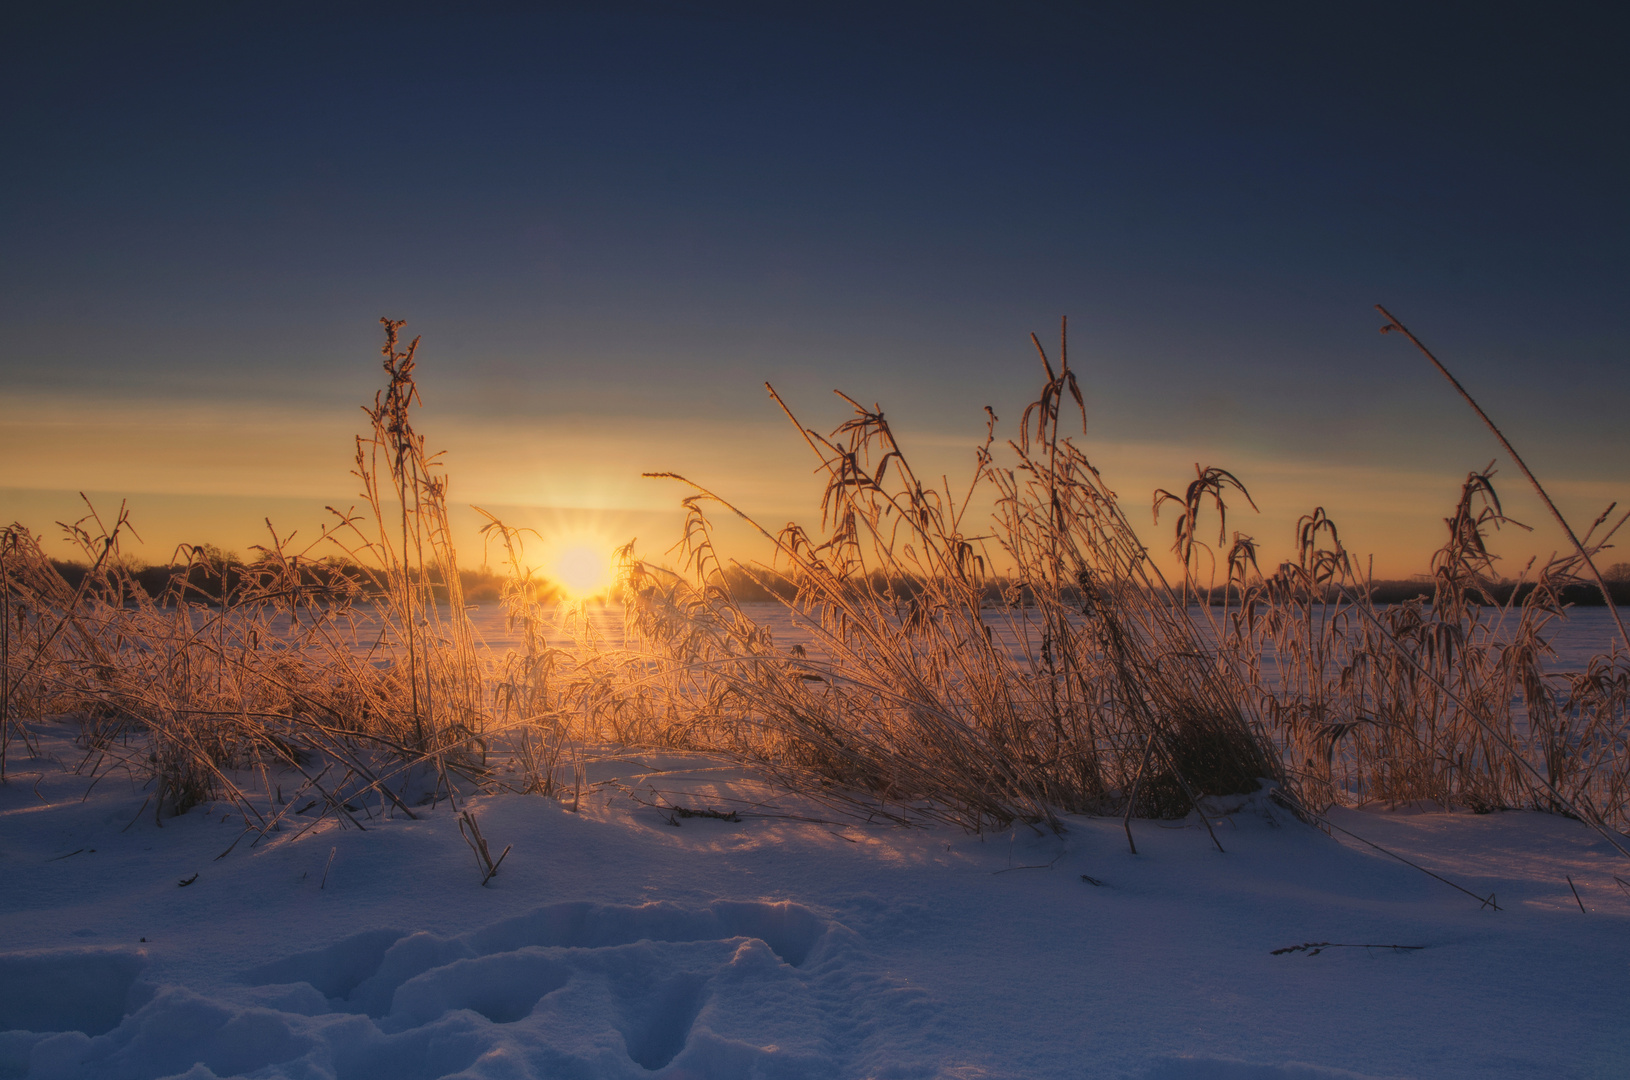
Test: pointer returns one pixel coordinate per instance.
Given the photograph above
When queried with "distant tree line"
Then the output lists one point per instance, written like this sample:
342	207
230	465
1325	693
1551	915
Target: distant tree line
214	573
750	587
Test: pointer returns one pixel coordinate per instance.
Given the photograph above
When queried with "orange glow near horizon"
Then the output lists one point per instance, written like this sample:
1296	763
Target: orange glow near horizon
215	474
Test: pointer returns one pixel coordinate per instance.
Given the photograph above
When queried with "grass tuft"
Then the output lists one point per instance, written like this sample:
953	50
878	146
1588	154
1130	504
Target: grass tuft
983	670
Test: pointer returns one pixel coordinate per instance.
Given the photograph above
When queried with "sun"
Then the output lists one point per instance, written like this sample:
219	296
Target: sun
582	569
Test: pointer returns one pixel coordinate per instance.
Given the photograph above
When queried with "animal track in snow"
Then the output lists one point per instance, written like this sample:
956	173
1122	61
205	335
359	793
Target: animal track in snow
734	989
362	973
86	990
661	1023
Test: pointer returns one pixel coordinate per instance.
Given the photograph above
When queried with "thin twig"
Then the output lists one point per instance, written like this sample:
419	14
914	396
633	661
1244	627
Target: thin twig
1319	946
1290	804
1607	595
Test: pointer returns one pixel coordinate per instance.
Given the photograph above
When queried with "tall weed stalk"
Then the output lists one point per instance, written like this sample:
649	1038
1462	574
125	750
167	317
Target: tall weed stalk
980	666
349	662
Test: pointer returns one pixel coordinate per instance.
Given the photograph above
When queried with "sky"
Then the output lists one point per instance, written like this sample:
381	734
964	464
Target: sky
613	223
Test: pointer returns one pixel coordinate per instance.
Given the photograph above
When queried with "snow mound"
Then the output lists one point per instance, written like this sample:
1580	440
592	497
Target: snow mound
734	989
86	990
1209	1068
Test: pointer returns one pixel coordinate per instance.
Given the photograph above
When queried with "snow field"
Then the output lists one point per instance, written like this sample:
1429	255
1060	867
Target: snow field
616	944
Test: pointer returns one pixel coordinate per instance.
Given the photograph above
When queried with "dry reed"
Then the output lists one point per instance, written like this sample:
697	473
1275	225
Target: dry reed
277	665
979	670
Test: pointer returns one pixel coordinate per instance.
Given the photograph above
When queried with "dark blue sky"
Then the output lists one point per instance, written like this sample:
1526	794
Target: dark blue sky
646	210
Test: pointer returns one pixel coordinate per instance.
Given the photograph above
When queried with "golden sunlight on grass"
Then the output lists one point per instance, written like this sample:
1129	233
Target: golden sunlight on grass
1007	653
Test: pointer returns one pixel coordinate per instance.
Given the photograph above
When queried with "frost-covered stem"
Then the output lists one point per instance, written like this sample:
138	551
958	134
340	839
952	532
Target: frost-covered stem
1394	324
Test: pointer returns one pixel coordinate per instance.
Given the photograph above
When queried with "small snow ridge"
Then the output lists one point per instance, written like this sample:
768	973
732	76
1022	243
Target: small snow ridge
1207	1068
86	990
790	930
503	987
336	970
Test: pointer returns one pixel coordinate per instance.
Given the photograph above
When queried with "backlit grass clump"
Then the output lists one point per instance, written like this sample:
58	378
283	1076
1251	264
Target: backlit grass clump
981	668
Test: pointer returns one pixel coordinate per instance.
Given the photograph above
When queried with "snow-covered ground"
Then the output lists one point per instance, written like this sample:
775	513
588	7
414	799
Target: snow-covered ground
794	942
1585	633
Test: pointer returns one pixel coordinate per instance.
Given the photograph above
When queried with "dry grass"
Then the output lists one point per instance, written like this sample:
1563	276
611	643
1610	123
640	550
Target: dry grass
976	669
273	665
1086	674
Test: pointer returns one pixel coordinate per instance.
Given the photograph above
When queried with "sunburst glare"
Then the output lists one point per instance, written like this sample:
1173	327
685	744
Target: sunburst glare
583	569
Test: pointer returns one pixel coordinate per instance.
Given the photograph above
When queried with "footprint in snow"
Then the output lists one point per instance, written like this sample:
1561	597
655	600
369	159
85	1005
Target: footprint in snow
734	989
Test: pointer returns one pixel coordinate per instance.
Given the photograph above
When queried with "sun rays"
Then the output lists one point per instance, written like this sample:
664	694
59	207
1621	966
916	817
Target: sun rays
581	565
